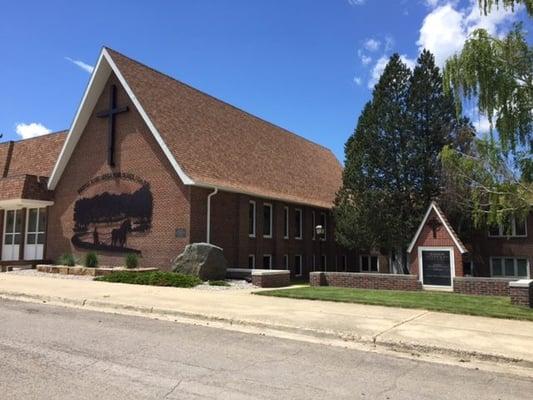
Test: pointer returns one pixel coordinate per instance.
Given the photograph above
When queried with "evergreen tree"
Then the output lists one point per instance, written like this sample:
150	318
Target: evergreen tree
392	169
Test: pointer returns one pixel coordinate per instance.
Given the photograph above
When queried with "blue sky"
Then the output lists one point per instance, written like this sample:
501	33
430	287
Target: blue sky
304	65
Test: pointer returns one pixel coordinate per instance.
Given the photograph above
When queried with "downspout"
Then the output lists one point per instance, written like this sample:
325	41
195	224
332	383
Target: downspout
215	191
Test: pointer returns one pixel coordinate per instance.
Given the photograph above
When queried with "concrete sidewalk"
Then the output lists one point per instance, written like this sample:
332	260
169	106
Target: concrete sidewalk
395	328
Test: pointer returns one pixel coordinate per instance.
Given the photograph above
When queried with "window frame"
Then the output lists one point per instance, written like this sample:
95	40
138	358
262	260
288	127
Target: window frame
298	211
299	256
503	234
369	256
252	256
269	261
252	203
286	261
270	225
515	266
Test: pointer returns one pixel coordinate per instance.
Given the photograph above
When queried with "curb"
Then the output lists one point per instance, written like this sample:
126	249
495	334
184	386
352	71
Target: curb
374	342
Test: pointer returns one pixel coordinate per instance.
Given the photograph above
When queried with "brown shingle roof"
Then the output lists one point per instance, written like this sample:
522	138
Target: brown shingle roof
218	144
36	156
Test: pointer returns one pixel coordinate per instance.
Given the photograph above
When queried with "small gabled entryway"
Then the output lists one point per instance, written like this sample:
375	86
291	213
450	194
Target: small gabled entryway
436	252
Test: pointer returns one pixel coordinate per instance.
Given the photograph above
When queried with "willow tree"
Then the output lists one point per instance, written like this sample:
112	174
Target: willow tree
498	74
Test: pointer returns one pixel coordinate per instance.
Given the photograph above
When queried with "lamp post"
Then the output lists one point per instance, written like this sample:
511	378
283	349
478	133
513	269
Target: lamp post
319	230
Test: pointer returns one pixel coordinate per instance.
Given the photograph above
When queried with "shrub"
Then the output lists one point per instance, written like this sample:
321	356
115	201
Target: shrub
153	278
131	260
91	260
218	283
67	259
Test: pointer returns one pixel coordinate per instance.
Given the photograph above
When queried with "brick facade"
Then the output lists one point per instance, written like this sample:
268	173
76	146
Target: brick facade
482	286
521	293
138	153
365	281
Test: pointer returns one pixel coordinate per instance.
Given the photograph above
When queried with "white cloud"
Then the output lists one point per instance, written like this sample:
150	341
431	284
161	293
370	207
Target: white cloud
482	124
380	65
365	60
431	3
84	66
389	43
31	130
446	28
357	80
372	44
356	2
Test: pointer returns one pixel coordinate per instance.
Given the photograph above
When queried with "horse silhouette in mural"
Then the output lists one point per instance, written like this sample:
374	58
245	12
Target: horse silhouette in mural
119	236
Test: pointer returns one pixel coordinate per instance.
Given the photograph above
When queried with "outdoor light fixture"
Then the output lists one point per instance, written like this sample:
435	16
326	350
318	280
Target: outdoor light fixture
319	229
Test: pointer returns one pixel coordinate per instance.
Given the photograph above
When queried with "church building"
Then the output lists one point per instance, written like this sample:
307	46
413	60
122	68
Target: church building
151	164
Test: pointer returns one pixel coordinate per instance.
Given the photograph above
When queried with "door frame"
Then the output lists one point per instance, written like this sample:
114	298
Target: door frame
451	250
22	232
27	221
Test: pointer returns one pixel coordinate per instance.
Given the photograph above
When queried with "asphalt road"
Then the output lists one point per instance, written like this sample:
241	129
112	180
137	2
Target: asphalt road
49	352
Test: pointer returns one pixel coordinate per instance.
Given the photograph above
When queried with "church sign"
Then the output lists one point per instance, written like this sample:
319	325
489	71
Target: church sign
112	208
436	267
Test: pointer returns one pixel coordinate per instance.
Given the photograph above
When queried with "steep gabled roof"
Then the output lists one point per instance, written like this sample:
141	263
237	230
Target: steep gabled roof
35	156
440	214
213	144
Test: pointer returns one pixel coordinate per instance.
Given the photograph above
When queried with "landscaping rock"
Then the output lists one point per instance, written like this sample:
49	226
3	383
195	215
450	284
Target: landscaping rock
202	260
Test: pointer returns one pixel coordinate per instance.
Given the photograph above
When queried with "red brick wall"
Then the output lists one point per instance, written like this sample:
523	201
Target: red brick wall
442	239
365	281
138	153
229	230
482	286
522	296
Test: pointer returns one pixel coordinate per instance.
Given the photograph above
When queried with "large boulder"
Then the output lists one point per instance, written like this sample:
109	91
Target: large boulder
202	260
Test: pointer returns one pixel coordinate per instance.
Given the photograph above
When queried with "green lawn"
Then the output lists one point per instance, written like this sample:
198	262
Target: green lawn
486	306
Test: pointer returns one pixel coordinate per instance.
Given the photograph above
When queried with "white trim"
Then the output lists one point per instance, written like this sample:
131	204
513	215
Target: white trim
299	210
268	205
433	206
515	266
421	269
208	222
252	235
286	216
253	260
92	93
269	256
24	203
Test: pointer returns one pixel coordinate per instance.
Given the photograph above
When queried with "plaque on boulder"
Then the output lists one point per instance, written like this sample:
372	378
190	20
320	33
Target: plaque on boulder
436	267
203	260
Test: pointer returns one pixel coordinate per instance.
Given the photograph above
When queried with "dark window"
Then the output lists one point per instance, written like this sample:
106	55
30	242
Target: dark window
267	220
298	265
520	228
267	261
251	261
314	225
344	263
286	261
324	262
251	219
323	222
369	263
298	223
286	222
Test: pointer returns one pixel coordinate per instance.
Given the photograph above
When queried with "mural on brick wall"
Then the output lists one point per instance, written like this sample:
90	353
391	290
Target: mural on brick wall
105	220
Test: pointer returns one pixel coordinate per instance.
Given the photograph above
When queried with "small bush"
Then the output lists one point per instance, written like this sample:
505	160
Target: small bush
67	259
91	260
131	260
153	278
218	283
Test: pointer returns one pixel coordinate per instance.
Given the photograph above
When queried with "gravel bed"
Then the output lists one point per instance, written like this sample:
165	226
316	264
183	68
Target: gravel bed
234	284
34	272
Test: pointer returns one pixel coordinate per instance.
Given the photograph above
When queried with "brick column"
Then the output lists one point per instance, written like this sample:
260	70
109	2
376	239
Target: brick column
521	292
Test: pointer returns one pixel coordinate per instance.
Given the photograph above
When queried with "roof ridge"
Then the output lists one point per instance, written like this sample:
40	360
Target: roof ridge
220	100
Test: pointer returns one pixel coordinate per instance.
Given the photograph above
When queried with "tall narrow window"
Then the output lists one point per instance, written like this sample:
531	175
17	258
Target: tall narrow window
323	222
251	219
313	228
324	262
298	265
286	222
369	263
298	223
251	261
344	263
267	220
286	261
267	261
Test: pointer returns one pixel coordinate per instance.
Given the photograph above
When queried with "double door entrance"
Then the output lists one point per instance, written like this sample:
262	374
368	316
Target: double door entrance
31	238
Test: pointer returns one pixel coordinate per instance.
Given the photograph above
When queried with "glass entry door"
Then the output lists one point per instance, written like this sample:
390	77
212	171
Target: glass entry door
35	233
12	235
